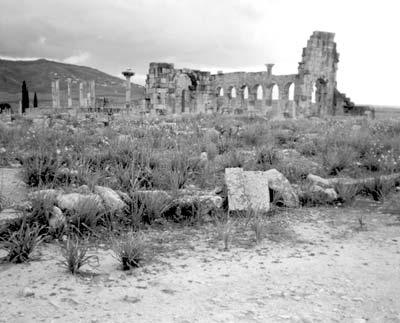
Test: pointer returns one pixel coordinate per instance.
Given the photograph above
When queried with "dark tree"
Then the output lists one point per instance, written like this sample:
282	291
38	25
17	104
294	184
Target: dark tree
35	103
25	97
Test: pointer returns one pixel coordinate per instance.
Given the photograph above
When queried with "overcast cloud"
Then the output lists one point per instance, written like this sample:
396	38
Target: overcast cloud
213	35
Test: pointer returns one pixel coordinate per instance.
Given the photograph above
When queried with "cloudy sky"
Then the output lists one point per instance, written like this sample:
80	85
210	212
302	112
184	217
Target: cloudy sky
228	35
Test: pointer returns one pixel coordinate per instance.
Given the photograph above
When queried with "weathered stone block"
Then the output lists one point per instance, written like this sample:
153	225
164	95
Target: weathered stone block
247	190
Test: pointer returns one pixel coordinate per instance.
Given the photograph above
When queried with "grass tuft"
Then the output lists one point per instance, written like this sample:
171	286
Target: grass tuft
20	244
128	249
75	255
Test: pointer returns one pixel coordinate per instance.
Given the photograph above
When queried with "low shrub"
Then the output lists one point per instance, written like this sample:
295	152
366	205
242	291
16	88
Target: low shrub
39	169
310	197
128	249
379	189
154	205
347	192
266	157
74	253
20	244
85	217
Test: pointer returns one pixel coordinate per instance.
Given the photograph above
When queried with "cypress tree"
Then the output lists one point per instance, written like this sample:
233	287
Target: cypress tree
35	102
25	97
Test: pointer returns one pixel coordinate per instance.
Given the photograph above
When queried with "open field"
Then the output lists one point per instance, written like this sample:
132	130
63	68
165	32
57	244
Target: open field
157	186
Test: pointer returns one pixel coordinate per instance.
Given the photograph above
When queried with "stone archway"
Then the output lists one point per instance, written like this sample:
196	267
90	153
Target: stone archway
287	100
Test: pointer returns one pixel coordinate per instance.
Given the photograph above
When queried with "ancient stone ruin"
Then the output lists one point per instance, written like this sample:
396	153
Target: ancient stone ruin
310	92
87	93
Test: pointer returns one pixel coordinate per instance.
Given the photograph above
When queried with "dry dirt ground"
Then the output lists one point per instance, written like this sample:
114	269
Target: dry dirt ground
313	265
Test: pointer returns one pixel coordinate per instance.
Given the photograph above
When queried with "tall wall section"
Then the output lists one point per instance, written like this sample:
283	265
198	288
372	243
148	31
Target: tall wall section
317	75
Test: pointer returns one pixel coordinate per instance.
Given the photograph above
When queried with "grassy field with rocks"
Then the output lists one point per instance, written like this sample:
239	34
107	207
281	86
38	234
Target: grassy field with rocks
136	208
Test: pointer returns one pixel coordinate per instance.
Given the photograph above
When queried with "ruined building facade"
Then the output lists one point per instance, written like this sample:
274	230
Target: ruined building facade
312	91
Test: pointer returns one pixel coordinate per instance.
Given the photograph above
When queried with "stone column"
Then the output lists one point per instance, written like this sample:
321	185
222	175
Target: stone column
53	94
57	87
69	97
81	97
88	100
93	93
269	69
281	103
128	74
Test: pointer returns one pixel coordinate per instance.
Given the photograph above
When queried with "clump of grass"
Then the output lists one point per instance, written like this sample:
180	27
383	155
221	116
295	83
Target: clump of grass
224	232
42	206
254	217
266	157
338	158
258	228
39	169
379	189
347	192
75	255
133	215
128	249
154	205
20	244
85	218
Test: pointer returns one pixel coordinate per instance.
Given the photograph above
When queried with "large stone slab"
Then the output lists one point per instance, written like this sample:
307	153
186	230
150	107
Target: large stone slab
237	198
257	190
247	190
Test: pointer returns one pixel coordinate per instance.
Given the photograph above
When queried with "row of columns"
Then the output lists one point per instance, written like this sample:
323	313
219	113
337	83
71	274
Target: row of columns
87	93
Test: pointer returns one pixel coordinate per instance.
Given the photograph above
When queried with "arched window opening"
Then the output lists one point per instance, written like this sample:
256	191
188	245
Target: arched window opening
233	93
245	93
291	92
314	93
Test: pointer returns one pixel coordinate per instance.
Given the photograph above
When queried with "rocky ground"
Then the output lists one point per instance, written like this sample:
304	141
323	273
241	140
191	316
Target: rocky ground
313	265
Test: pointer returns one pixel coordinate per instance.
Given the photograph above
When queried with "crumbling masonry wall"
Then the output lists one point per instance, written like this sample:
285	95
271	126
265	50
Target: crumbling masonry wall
312	91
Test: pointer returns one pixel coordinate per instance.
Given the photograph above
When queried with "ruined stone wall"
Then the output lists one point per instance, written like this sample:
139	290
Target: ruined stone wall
317	74
170	90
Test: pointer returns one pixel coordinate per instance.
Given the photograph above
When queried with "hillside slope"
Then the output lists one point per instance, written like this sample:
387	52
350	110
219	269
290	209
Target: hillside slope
38	74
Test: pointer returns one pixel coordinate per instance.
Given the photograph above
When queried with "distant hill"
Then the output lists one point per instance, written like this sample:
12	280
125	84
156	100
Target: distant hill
38	74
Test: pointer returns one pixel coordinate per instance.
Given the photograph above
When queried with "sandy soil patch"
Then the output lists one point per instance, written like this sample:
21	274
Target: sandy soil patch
314	265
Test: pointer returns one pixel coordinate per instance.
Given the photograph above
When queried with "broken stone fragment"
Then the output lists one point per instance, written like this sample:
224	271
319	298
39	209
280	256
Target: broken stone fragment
111	200
332	182
57	218
282	188
74	201
318	180
204	201
326	194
